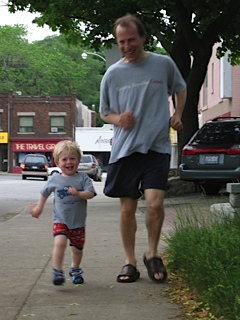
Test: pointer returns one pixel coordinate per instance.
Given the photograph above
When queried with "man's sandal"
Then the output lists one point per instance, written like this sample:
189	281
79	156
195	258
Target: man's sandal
76	274
155	265
58	277
130	272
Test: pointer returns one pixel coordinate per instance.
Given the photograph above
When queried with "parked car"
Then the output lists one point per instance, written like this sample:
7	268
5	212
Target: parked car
53	170
91	167
212	156
34	165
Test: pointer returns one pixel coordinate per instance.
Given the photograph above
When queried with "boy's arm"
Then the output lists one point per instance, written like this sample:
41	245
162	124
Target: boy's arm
37	210
85	195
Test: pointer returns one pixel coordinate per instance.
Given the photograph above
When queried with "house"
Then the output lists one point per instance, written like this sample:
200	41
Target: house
220	93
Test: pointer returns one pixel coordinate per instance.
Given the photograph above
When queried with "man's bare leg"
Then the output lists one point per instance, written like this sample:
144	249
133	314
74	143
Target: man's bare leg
154	221
128	228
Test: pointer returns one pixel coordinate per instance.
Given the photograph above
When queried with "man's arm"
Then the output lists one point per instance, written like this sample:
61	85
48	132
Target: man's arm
175	120
124	120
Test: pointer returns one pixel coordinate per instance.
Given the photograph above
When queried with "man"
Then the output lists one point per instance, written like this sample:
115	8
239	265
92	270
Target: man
134	98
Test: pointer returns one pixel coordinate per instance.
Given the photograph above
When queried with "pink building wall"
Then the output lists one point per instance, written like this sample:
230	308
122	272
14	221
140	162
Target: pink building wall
236	91
211	105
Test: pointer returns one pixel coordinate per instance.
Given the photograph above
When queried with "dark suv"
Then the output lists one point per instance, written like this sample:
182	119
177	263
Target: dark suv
212	156
35	165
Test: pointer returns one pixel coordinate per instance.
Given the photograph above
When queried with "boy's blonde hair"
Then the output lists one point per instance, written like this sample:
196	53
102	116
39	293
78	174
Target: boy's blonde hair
71	146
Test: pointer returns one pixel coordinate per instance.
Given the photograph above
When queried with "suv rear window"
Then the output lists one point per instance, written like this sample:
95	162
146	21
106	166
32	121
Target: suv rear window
36	159
86	159
218	133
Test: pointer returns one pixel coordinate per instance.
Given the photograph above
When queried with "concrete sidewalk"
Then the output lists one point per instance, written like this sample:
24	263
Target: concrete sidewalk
26	288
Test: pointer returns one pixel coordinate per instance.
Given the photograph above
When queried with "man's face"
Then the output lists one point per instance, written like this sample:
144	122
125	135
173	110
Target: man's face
130	43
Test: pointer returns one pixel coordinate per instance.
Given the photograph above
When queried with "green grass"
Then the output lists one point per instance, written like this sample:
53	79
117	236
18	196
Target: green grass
205	249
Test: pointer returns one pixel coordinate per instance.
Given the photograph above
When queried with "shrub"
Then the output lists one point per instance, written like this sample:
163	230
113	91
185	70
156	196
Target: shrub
204	248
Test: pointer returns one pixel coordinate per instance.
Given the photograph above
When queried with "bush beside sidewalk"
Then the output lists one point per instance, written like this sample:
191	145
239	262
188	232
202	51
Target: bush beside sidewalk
203	252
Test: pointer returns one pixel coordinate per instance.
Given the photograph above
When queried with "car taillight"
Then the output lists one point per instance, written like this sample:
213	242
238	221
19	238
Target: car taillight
93	165
46	166
23	165
234	149
190	151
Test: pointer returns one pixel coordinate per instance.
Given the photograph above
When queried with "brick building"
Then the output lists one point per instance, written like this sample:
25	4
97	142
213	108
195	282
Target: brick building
34	124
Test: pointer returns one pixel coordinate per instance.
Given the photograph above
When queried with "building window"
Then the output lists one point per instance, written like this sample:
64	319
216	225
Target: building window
25	124
212	78
205	91
57	124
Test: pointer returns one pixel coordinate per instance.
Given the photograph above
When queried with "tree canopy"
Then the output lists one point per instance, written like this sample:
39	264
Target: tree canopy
48	67
186	29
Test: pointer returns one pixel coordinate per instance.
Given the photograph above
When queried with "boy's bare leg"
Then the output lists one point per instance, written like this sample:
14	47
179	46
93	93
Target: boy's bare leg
60	243
76	257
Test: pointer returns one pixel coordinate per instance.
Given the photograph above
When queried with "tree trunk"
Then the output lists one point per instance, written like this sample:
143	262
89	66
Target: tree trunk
194	83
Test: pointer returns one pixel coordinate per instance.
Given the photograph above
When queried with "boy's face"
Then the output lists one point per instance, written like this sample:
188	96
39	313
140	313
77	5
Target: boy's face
68	163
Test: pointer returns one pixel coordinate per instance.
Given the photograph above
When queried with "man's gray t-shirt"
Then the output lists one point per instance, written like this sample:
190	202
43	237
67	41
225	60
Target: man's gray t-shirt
68	209
144	89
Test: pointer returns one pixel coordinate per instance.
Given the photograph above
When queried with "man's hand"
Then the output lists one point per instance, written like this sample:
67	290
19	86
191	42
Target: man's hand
126	120
176	123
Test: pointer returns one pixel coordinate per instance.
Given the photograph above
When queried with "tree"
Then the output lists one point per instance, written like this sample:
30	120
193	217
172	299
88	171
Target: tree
48	67
186	29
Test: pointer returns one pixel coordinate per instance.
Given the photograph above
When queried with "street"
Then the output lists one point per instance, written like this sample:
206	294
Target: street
17	194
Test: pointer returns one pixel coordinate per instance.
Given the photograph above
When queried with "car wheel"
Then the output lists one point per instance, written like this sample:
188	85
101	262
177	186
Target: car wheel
45	178
54	172
211	188
24	177
95	178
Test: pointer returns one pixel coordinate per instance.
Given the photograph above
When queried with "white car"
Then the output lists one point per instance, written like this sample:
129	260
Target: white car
53	170
91	167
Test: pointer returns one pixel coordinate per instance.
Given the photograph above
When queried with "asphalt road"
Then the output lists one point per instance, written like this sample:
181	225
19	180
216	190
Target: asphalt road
16	194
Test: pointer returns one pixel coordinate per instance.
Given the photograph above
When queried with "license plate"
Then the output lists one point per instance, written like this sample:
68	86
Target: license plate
34	167
83	167
212	159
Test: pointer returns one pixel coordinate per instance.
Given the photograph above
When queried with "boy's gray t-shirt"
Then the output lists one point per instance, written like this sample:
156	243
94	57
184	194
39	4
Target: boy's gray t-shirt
68	209
143	88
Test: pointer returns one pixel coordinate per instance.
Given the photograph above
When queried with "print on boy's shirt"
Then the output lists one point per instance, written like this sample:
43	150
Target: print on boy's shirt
63	192
69	202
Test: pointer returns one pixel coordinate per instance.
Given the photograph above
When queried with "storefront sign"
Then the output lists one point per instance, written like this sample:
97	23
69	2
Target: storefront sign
32	147
3	137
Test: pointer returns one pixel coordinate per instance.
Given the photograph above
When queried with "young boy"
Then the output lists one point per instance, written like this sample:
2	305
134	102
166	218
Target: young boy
71	191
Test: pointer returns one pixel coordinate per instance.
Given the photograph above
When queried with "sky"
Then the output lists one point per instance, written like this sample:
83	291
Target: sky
24	18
